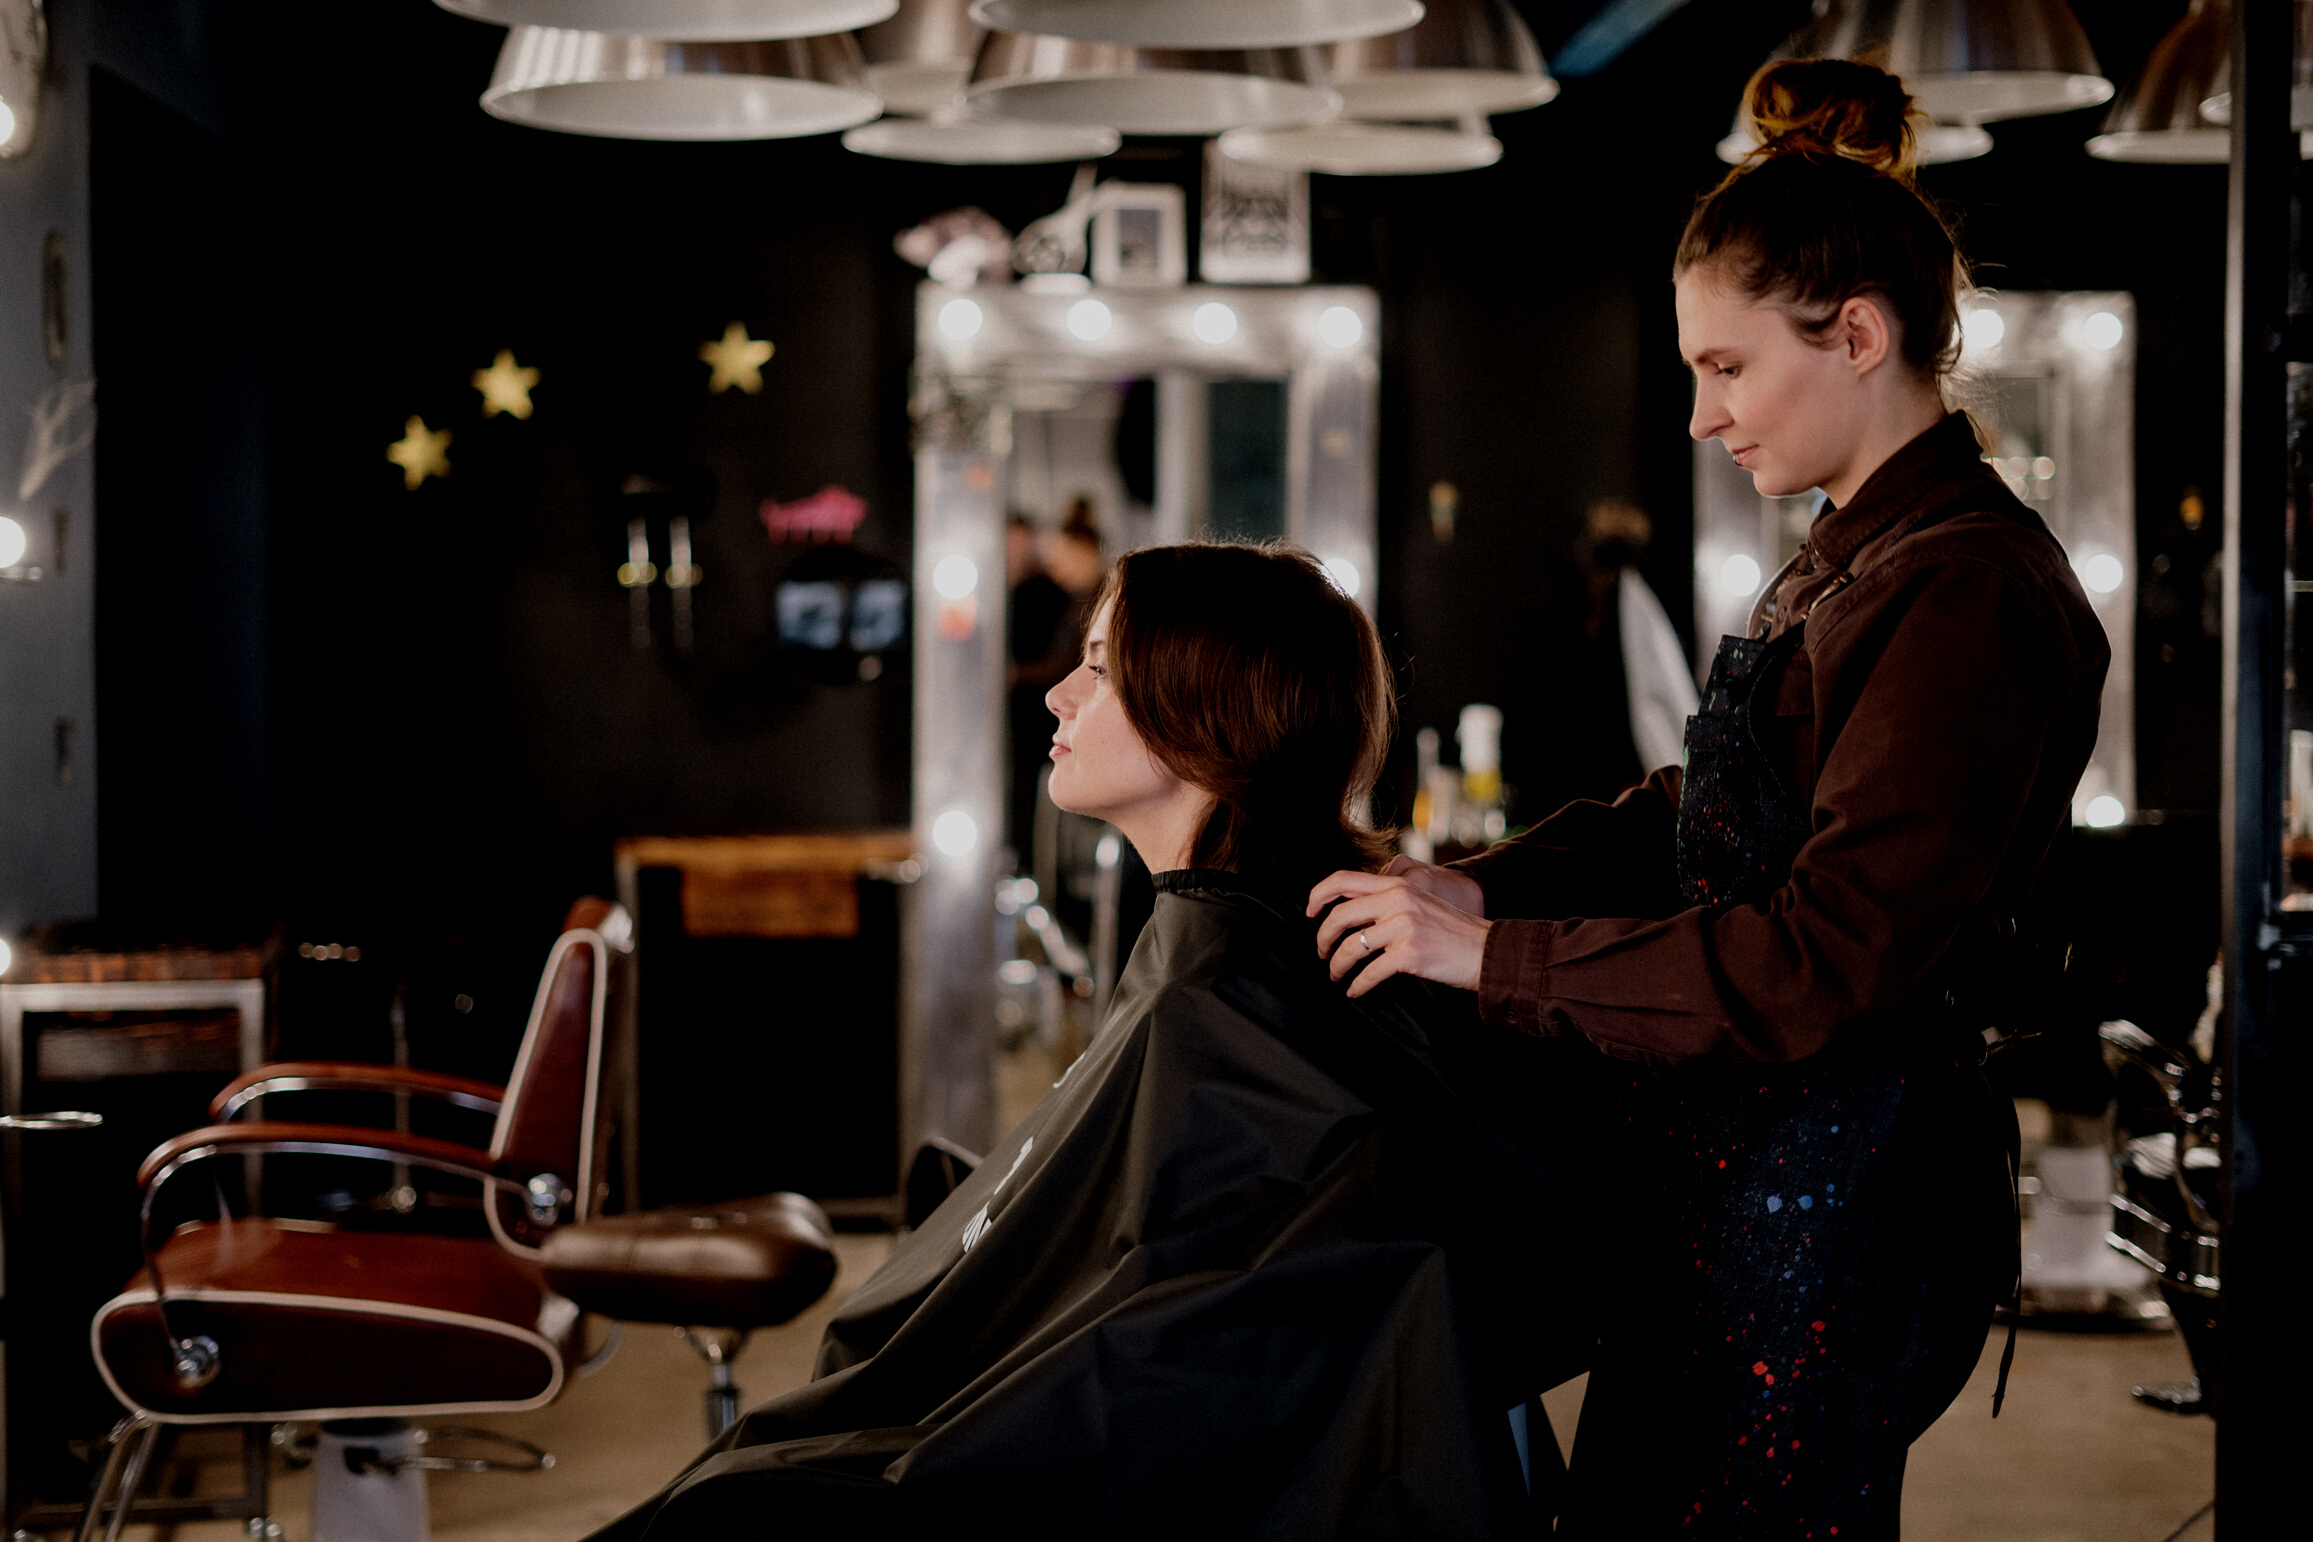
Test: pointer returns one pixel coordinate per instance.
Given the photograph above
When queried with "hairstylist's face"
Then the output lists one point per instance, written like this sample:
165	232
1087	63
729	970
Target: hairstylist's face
1101	767
1793	411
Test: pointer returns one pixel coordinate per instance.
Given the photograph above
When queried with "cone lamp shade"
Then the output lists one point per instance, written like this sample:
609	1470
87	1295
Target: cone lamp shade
1464	56
1345	148
1202	24
1147	90
622	87
1938	143
684	21
920	59
2218	109
981	141
1965	61
2158	118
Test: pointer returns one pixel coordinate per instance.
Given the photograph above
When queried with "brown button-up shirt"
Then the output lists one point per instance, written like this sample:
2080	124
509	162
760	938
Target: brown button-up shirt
1936	716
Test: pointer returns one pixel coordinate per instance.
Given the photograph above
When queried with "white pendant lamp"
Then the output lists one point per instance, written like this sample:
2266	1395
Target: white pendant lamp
1965	61
1200	24
1464	56
1344	148
1147	90
920	59
2158	118
623	87
1937	143
685	21
981	141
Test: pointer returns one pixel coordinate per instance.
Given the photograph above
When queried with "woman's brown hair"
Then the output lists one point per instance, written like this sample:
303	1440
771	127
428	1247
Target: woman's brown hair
1250	675
1824	210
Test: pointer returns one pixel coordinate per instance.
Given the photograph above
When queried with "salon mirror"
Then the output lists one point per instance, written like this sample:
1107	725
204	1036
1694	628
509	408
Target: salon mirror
2049	378
1177	413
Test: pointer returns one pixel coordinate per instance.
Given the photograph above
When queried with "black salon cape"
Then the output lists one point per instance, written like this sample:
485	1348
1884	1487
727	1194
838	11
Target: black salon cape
1259	1266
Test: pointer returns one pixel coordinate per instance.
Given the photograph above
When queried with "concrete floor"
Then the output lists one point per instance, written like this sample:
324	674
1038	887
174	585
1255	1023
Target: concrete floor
2072	1457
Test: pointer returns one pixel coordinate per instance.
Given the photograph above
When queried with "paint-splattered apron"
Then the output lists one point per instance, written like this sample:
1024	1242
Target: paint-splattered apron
1811	1223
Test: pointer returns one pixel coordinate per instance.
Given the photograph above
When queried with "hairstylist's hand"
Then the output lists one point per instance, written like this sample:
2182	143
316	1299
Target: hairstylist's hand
1456	888
1391	926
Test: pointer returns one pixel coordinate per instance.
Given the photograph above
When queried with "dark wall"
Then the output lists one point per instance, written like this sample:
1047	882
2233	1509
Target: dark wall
453	725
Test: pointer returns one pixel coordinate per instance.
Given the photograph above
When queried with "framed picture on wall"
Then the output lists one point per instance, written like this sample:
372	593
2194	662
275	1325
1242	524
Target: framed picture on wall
1140	236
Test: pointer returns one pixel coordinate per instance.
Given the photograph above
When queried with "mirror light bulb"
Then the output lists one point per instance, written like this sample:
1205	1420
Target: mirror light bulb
1739	575
1088	321
2104	812
1345	576
955	577
1984	328
1213	322
2101	331
11	542
960	318
955	833
2102	572
7	954
7	130
1340	327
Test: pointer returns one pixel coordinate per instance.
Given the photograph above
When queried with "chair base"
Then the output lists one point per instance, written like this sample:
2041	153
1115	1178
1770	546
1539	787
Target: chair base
252	1506
367	1484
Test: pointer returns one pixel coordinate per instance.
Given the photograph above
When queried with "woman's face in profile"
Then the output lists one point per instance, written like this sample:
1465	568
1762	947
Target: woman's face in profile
1101	767
1788	409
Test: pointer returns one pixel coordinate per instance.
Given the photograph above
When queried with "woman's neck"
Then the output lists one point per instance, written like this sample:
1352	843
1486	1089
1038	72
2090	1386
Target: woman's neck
1903	417
1165	832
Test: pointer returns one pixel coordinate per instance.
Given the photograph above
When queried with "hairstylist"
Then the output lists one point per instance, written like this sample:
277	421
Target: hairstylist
1797	939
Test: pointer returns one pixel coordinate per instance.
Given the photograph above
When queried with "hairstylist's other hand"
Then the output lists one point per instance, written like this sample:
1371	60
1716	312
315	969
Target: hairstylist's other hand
1455	887
1390	926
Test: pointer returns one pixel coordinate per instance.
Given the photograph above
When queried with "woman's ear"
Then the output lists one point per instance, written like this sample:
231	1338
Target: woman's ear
1866	333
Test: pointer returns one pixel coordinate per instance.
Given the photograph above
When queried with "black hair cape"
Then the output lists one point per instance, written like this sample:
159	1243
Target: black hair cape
1267	1262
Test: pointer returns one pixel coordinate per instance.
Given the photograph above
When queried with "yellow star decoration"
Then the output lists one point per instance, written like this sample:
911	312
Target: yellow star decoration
505	386
421	453
738	360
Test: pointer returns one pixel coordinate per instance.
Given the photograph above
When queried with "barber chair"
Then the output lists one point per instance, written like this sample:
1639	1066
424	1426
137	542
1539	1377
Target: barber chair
255	1321
2164	1200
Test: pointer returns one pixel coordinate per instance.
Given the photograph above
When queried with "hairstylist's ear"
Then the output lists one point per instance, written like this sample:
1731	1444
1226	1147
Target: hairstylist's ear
1865	330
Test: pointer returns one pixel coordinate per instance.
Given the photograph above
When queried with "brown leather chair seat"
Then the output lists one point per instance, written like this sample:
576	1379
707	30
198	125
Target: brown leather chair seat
749	1263
313	1323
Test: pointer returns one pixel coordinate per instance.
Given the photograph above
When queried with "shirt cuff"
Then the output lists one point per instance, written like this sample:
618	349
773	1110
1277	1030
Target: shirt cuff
1511	975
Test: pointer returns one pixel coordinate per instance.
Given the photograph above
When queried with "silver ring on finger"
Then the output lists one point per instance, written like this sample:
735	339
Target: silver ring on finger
1365	942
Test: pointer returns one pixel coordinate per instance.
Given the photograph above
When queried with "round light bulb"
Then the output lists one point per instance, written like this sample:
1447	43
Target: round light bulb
7	123
955	577
1345	576
1984	328
7	954
960	318
1339	326
11	542
955	833
1088	321
1213	322
2104	812
2102	572
1739	575
2101	331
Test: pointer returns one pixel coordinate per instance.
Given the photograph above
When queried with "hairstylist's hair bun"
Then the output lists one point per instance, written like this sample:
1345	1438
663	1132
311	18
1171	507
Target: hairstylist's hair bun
1832	109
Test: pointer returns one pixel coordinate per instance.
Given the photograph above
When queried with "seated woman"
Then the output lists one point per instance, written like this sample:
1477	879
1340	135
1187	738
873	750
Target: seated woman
1258	1264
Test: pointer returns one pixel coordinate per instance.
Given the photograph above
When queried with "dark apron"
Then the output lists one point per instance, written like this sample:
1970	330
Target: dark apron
1830	1224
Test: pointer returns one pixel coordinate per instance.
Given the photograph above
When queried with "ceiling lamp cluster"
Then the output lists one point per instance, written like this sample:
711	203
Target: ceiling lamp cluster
1347	86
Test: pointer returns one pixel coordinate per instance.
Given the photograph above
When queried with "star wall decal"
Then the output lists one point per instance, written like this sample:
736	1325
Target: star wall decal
737	359
421	452
505	386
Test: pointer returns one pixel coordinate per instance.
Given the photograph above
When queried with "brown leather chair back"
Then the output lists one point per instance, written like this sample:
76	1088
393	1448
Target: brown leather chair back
553	1131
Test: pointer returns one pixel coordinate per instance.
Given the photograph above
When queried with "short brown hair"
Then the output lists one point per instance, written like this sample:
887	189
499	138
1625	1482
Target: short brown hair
1824	209
1251	675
